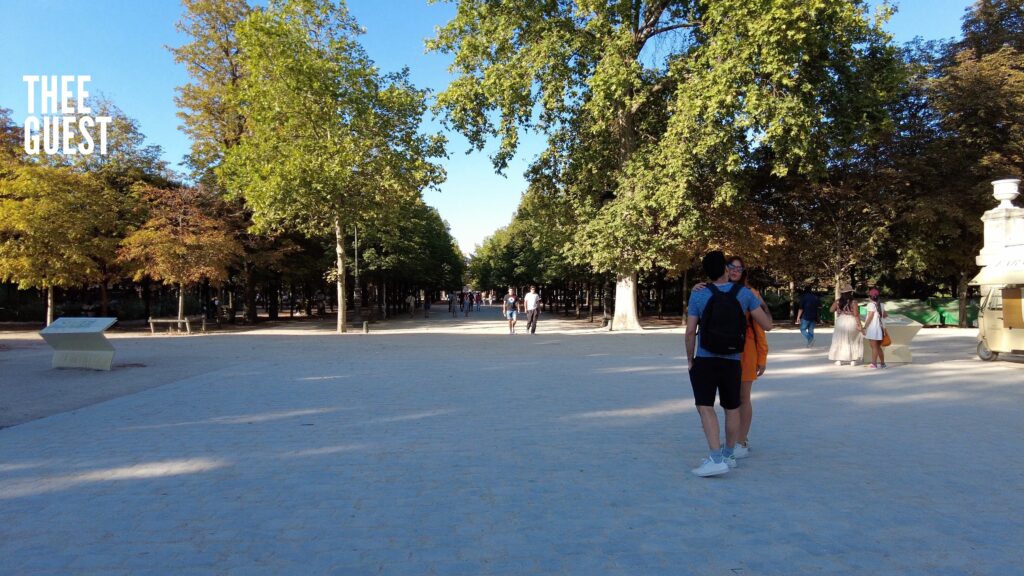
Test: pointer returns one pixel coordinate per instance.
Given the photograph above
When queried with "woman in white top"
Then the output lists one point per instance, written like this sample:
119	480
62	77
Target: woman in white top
874	328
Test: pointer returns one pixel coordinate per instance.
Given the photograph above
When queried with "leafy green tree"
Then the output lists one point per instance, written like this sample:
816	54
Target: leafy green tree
737	76
129	164
991	25
978	98
180	244
55	226
11	150
215	120
415	250
213	61
329	142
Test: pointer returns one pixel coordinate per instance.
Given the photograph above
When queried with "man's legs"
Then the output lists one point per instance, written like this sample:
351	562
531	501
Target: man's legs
704	379
732	428
729	393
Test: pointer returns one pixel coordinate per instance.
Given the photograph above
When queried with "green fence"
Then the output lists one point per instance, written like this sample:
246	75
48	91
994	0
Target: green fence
930	312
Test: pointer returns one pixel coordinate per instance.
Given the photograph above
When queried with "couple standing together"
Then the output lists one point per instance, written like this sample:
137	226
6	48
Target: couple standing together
726	350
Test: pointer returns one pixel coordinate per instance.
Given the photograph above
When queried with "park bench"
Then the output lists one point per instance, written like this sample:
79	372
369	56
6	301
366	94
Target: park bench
187	321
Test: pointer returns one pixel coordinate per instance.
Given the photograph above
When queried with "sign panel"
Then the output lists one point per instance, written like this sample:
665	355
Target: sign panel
80	343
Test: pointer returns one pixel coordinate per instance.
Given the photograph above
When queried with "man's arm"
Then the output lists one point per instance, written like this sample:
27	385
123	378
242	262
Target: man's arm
691	339
799	313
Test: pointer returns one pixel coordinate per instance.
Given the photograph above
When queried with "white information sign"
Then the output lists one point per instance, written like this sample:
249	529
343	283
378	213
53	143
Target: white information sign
901	331
80	343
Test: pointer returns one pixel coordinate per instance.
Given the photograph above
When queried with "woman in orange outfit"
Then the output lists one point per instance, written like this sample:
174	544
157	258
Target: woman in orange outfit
753	361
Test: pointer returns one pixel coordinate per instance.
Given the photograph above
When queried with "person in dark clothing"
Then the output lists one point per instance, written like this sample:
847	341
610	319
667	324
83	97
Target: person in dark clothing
807	316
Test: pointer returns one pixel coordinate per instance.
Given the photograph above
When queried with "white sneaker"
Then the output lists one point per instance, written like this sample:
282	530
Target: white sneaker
740	451
730	461
853	363
711	468
839	362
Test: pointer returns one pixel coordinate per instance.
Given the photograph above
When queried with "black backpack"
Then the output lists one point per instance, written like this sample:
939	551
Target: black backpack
723	325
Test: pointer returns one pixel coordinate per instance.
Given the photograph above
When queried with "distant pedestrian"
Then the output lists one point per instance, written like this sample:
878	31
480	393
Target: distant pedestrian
510	310
807	316
426	305
713	355
410	303
479	300
532	304
451	303
874	328
847	342
469	304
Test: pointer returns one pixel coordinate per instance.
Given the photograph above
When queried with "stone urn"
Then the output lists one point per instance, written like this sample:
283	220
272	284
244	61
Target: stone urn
1005	191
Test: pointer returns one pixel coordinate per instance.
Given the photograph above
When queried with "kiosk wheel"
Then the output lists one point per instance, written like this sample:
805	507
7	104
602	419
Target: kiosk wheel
985	354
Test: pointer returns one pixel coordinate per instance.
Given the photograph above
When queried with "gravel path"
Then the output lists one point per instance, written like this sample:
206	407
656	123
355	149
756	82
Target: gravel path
449	447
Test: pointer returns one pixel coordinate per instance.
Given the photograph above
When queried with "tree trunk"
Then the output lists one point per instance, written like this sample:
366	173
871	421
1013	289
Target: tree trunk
590	299
339	250
181	301
49	305
147	297
625	304
686	300
792	300
104	299
273	297
249	305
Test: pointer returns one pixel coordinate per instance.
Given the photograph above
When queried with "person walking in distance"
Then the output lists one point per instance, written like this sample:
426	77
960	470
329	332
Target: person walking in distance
469	305
713	353
532	303
510	309
807	316
410	303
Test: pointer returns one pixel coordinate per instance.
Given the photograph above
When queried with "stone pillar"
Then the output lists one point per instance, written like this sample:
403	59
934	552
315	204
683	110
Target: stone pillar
1004	226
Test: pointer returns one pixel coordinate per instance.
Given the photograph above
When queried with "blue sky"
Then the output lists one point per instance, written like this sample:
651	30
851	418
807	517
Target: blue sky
120	43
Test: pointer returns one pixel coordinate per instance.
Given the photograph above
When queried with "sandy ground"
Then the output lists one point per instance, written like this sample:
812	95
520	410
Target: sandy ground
446	446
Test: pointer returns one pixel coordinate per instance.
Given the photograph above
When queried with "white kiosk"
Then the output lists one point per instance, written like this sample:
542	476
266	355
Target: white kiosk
1001	318
80	343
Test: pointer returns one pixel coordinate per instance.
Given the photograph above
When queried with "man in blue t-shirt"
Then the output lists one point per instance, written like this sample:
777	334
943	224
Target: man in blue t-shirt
807	316
711	373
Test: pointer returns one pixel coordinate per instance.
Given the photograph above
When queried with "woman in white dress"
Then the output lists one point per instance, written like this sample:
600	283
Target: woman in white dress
847	344
873	328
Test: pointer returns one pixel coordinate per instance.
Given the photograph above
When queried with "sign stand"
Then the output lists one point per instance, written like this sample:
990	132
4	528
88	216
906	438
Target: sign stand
80	343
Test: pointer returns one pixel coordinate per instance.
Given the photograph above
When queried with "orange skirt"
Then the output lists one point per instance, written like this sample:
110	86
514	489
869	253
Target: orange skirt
752	353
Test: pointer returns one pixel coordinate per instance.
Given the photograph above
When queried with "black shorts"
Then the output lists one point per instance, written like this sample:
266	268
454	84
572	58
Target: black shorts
721	375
